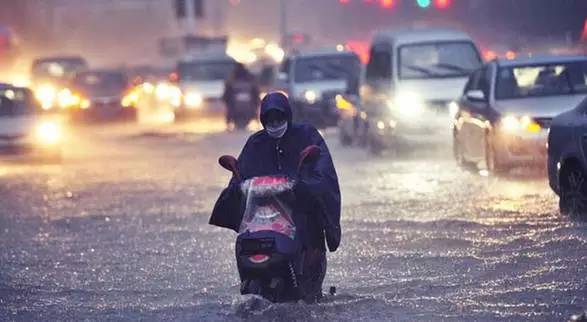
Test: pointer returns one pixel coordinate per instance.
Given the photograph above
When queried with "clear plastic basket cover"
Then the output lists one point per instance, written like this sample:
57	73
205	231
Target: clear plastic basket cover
268	205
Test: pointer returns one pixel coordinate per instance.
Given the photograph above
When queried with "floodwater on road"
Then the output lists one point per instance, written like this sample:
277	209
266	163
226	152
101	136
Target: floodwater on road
119	231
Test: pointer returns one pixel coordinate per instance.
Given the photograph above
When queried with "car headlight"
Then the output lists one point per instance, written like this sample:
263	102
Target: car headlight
310	96
48	133
408	104
162	91
67	99
131	99
453	109
193	100
175	96
148	88
85	104
513	123
167	92
342	103
46	95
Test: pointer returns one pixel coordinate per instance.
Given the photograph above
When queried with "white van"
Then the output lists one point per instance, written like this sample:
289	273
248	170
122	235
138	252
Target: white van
410	81
201	80
313	79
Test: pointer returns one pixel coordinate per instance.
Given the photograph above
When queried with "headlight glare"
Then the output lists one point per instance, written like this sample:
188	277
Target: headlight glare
193	100
67	99
513	123
453	108
311	96
46	95
48	133
409	104
131	99
510	123
85	104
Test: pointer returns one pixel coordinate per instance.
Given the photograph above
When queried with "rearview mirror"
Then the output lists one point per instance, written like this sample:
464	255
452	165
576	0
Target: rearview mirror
476	95
229	163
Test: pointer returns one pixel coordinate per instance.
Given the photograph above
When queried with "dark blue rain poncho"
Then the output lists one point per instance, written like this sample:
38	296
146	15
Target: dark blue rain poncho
317	192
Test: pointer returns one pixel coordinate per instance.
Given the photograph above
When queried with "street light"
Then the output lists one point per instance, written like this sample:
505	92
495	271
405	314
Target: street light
442	4
387	4
423	3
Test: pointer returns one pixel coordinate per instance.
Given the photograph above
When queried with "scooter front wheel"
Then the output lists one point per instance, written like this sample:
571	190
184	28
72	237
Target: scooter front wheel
251	287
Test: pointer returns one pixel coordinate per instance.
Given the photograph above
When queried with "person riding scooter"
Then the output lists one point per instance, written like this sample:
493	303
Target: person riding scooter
275	151
241	97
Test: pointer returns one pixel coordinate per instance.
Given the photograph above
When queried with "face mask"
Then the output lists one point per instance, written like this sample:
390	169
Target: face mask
276	132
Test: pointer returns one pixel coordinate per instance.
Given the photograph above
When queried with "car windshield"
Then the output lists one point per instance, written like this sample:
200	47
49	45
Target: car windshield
206	71
100	81
438	60
541	80
58	68
16	102
327	68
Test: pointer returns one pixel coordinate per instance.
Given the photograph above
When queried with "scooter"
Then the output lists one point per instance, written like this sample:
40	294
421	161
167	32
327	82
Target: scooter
269	253
243	112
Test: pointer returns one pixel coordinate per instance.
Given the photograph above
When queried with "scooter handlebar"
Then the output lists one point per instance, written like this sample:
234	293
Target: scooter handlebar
229	163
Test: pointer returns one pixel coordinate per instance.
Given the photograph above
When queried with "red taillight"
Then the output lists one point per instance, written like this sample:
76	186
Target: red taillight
174	77
259	258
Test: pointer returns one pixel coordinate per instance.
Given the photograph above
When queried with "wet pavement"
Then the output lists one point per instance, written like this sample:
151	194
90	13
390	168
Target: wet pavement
119	231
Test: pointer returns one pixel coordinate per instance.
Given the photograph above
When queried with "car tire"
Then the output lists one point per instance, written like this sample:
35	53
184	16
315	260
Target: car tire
492	164
573	191
375	148
345	139
458	154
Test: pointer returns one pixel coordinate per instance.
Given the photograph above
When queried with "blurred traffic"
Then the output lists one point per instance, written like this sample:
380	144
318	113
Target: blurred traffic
407	89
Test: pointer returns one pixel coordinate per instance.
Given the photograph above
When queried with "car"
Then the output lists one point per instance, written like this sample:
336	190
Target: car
102	95
567	156
411	79
266	74
50	77
506	110
201	80
351	126
313	79
24	130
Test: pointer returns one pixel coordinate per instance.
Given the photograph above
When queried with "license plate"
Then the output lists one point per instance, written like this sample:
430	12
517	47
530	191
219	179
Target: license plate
243	97
257	245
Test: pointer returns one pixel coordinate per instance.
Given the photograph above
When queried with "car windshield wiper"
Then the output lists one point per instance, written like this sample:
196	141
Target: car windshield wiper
453	67
421	70
328	72
338	69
